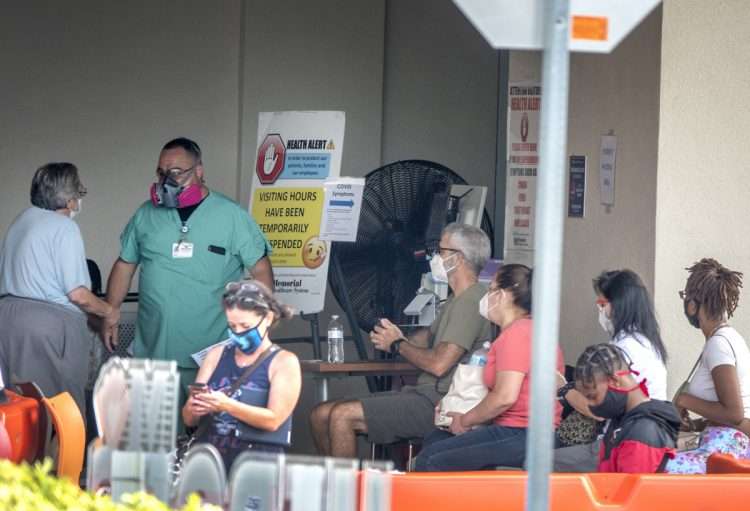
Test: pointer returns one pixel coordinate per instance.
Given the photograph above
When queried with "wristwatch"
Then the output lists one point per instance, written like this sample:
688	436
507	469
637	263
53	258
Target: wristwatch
395	345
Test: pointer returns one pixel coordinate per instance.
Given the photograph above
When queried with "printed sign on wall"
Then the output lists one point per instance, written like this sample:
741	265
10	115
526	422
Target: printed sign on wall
297	152
524	101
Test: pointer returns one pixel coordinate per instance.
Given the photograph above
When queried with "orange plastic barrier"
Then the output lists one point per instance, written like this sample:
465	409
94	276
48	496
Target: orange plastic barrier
727	464
491	491
20	415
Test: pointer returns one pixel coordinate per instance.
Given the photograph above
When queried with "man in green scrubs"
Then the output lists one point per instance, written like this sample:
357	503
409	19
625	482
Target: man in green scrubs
189	242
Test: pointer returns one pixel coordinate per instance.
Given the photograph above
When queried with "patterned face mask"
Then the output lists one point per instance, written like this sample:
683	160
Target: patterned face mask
249	340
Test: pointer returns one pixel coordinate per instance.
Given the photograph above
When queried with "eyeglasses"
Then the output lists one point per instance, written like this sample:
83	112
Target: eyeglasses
176	172
683	295
82	191
444	249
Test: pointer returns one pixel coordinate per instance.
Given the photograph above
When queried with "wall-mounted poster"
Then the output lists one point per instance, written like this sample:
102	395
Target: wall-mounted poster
524	101
297	152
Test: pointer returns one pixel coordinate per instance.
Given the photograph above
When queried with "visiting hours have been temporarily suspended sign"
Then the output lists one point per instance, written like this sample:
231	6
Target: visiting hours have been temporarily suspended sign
296	153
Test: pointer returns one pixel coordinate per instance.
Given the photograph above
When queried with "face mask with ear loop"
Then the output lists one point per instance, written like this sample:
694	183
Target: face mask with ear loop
484	305
605	321
438	268
249	340
617	399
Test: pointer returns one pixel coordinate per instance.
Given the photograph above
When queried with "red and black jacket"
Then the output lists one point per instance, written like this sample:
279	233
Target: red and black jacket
642	440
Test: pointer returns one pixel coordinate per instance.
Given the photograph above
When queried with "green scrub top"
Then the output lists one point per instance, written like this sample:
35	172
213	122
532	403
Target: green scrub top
179	306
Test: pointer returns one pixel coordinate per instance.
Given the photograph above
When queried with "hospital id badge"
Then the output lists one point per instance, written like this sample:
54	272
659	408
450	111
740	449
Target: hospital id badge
182	250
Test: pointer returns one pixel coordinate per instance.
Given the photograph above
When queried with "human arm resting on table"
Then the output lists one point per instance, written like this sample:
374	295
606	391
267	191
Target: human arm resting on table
286	382
437	361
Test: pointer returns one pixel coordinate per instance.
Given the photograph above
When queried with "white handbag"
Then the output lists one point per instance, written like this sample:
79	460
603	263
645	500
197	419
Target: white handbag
466	391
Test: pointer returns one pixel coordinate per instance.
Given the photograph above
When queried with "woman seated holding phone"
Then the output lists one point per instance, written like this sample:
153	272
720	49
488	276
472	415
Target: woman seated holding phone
246	390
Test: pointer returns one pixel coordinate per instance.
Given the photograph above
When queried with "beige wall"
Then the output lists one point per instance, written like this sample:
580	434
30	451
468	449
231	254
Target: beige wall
441	89
104	85
618	92
703	189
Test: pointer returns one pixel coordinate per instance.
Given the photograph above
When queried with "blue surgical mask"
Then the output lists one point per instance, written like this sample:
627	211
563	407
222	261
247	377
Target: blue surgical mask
247	341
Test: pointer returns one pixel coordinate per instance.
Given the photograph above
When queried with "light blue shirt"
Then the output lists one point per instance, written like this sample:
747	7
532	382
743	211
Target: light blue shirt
43	258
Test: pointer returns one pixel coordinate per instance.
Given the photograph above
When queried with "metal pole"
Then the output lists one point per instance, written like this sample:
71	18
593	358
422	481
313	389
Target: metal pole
548	250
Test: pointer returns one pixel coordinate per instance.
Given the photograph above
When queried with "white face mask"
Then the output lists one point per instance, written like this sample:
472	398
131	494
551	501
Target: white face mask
605	321
438	269
484	306
74	212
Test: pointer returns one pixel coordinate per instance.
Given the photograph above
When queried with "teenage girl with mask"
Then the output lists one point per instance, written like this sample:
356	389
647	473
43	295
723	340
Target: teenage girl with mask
719	390
258	414
626	314
642	433
494	431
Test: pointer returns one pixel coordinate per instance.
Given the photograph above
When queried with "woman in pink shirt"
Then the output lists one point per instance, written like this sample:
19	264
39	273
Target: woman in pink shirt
494	431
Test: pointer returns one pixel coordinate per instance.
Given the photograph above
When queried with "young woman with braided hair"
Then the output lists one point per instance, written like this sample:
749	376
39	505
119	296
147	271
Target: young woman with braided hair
720	388
642	433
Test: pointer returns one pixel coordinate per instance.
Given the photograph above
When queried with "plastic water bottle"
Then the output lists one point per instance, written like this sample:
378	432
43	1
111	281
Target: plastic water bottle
479	357
335	341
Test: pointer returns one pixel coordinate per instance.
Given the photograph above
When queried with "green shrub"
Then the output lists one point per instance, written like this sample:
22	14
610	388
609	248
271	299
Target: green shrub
33	488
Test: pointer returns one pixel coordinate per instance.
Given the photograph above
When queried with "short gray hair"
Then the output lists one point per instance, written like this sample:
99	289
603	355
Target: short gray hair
472	242
54	185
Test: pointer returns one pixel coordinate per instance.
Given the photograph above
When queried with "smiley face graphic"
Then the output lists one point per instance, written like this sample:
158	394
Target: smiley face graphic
314	252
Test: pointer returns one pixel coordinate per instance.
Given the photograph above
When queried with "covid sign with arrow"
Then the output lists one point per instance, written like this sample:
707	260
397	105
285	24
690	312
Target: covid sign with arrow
343	202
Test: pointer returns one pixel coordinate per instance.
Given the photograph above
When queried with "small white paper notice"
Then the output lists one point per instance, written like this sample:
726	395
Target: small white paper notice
200	356
607	157
343	202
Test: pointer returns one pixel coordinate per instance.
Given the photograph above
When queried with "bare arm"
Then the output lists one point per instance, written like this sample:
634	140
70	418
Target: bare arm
118	285
190	415
438	361
119	281
729	409
286	383
90	303
579	403
420	338
502	396
263	271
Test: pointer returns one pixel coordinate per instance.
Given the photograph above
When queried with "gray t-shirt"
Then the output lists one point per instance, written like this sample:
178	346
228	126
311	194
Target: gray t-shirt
458	323
42	258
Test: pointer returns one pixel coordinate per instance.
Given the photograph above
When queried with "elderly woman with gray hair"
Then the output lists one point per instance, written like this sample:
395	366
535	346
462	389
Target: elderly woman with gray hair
45	289
246	388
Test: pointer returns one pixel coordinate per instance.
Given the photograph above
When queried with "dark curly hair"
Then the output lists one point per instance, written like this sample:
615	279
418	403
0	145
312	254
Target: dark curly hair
715	288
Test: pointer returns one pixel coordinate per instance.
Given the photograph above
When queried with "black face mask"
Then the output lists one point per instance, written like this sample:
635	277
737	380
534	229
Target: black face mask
613	405
693	320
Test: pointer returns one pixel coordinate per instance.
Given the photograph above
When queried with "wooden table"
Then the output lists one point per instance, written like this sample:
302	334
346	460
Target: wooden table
322	371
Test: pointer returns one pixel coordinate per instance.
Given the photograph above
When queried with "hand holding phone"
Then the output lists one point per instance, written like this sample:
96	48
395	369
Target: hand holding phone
197	388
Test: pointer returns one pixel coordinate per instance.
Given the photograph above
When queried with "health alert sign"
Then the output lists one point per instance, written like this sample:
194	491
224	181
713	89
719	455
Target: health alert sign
290	219
296	153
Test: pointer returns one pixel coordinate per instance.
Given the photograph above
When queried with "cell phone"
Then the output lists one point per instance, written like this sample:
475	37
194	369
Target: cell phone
197	388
